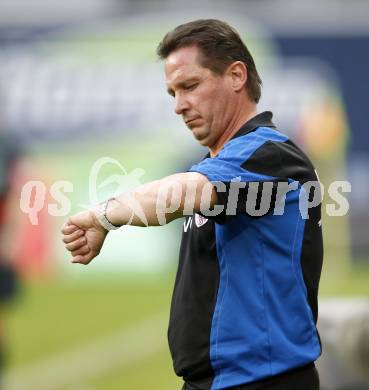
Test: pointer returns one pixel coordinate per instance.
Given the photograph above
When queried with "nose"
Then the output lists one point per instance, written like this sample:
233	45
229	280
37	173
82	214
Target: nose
181	104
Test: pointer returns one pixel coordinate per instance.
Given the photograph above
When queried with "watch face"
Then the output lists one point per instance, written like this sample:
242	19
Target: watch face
107	224
101	217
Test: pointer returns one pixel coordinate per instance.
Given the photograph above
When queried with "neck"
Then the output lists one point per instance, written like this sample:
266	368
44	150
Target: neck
241	117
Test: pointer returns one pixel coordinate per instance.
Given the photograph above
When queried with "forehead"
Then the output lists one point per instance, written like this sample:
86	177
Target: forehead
183	63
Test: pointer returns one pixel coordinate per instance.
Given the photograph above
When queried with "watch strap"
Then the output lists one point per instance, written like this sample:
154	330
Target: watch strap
102	217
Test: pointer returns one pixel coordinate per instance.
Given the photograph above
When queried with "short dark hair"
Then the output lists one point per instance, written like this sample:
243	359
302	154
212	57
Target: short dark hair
219	44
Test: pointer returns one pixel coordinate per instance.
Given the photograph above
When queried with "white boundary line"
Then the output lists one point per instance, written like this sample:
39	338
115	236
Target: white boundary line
91	360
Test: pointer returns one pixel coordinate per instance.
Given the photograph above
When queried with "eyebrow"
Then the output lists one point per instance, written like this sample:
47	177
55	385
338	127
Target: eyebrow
182	84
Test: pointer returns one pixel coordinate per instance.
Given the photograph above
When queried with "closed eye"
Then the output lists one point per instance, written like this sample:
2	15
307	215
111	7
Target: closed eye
191	86
184	87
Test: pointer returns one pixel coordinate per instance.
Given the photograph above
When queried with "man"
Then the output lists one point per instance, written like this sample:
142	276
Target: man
244	305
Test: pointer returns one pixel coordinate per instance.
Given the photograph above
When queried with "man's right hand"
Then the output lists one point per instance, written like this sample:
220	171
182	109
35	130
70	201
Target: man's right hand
83	236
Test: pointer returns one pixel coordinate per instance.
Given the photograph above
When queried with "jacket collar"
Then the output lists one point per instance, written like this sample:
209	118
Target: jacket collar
264	119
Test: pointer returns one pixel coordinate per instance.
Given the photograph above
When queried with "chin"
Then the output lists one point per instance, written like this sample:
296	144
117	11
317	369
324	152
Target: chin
201	136
204	141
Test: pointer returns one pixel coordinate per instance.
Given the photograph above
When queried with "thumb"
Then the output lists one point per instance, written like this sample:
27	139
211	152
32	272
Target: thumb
85	220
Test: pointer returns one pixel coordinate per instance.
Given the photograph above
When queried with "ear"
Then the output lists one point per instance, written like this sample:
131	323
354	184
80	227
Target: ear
237	72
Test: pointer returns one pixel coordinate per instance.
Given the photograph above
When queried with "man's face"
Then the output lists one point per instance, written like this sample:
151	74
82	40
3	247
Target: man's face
203	98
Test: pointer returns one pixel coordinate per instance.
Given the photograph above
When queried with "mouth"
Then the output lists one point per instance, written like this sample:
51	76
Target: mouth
190	121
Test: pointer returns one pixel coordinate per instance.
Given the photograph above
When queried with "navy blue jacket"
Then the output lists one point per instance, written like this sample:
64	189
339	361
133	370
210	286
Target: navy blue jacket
244	305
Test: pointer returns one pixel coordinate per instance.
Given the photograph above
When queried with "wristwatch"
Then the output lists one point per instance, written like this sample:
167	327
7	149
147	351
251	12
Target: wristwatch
102	218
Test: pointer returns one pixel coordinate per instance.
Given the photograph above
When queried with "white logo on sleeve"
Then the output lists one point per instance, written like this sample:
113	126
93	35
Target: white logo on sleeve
200	220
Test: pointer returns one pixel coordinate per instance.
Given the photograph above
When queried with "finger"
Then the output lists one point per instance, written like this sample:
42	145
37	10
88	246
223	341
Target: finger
75	245
82	251
73	236
68	229
83	259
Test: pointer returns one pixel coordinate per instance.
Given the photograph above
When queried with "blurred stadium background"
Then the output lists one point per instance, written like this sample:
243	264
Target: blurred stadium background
79	81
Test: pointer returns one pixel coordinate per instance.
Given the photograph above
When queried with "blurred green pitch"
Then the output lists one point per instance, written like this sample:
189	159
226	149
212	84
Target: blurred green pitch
53	318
